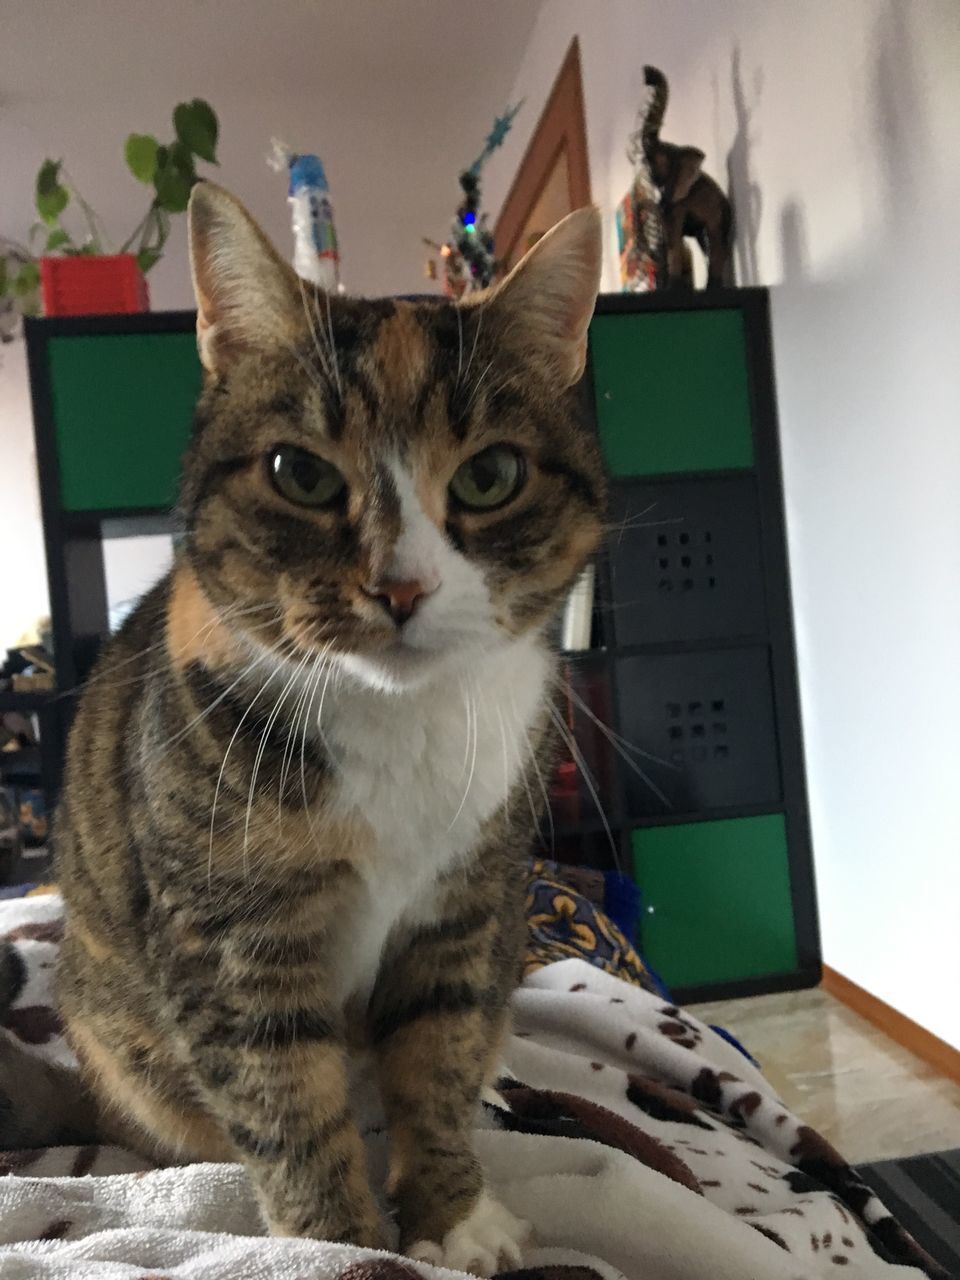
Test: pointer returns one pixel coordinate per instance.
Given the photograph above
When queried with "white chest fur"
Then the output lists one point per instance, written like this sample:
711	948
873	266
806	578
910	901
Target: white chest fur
424	769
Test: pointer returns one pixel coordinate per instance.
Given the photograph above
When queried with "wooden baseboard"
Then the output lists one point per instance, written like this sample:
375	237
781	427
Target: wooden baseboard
903	1030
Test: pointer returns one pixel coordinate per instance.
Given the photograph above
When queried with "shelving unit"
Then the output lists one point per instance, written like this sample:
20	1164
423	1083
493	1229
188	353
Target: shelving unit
38	766
693	664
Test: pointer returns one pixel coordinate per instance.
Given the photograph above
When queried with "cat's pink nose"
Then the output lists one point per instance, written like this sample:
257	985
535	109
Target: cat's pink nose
400	599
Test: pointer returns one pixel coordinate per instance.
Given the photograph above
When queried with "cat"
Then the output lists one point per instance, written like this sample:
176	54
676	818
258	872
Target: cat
295	811
691	202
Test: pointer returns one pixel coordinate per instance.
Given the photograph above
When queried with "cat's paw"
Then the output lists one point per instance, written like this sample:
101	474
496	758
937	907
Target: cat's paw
487	1240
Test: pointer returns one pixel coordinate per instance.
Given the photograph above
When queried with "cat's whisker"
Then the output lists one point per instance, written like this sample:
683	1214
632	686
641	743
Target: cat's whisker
635	522
541	782
620	525
323	668
271	721
629	524
506	766
479	382
531	756
473	763
476	338
305	365
333	344
286	763
644	777
522	765
308	313
466	741
636	515
459	314
223	767
227	615
317	674
616	740
585	773
161	680
323	694
155	750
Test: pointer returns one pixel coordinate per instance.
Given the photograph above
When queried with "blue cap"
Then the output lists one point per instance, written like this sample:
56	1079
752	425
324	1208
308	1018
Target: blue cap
307	171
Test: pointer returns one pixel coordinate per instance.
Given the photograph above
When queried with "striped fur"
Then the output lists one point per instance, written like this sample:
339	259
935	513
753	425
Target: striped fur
290	828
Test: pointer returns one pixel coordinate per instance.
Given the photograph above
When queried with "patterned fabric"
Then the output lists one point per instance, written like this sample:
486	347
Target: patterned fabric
637	1142
563	923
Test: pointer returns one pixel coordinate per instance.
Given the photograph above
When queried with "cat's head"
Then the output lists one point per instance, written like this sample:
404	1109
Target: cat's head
399	485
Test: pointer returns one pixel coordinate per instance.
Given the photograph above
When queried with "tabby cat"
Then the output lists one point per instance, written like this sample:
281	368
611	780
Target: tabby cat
296	803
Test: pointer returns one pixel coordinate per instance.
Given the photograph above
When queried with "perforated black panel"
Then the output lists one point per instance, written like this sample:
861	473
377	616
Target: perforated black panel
705	725
685	561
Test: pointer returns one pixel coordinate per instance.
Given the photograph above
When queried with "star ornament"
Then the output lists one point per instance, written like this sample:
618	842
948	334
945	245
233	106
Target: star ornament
501	127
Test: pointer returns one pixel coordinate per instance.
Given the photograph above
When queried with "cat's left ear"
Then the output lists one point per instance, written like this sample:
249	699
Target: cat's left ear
547	300
247	296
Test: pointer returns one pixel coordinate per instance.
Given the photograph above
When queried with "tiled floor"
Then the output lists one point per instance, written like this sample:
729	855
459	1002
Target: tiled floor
870	1097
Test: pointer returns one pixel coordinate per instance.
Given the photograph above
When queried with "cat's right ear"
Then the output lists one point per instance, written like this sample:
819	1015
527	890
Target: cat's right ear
247	296
548	299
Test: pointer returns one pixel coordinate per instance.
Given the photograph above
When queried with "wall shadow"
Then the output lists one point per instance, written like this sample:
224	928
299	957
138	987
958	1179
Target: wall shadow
745	193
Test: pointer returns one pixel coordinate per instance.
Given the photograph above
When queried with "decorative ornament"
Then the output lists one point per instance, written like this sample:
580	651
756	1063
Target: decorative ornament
467	259
641	235
691	202
316	256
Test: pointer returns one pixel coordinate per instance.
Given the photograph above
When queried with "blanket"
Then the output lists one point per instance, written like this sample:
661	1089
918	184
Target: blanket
638	1143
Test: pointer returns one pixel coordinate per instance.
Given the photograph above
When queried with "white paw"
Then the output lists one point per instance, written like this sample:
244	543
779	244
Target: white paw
488	1241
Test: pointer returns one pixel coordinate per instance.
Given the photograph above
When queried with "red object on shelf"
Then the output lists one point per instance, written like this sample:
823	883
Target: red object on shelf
105	284
565	793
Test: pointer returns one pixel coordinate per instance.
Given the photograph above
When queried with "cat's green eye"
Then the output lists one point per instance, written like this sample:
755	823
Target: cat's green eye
303	478
489	479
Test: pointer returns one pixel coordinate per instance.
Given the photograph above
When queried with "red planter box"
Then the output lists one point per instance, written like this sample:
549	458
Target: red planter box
103	285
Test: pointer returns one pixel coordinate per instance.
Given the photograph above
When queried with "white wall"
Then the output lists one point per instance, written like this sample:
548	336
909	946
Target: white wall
840	126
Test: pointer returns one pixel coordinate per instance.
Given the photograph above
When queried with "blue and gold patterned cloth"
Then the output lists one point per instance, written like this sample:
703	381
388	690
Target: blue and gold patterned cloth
567	919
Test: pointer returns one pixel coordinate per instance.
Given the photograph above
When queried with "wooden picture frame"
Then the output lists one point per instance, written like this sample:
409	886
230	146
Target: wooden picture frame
554	175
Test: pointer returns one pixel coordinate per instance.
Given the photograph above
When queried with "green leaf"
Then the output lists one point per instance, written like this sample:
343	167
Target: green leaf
173	188
51	196
141	153
26	280
51	206
197	128
181	157
147	258
4	277
48	179
56	240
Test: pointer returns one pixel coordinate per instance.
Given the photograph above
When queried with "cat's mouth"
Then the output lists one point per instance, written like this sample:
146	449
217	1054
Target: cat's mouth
411	656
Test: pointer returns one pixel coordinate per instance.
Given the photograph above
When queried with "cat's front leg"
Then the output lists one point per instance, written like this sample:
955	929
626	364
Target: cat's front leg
276	1080
438	1018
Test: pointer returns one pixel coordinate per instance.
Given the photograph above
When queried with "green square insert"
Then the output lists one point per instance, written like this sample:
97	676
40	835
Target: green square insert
716	900
122	409
671	391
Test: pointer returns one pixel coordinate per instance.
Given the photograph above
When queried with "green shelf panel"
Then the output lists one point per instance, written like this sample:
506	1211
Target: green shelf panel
716	900
671	391
122	409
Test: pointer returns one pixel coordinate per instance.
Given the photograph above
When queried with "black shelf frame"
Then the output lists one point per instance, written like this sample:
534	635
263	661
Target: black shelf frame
75	567
73	540
24	701
754	307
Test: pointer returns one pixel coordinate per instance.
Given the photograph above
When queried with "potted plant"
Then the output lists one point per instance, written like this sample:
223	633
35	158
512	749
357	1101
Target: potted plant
81	274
